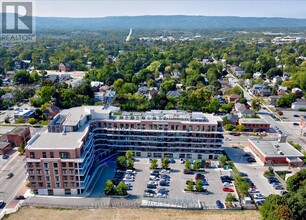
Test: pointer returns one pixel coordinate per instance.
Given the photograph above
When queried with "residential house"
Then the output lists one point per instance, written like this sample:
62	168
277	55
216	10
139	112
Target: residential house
299	104
109	96
297	92
64	67
232	119
174	93
143	90
256	88
265	92
104	88
25	113
224	89
51	112
233	98
257	75
96	84
282	90
238	71
254	124
273	99
239	107
7	96
18	136
245	113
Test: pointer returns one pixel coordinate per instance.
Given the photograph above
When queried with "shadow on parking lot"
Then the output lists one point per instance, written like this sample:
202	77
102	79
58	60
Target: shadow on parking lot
236	155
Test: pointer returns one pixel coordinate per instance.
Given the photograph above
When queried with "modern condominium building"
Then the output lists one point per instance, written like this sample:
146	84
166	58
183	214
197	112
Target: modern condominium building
63	159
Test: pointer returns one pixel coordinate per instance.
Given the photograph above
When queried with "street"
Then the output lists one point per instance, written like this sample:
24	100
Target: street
9	187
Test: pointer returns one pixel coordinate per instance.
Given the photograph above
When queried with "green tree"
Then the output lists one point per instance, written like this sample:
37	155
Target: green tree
214	105
230	198
240	128
121	162
121	189
268	209
129	155
242	186
19	120
187	165
199	186
21	77
109	188
296	181
129	164
190	185
229	127
154	164
223	159
196	165
165	163
21	149
256	104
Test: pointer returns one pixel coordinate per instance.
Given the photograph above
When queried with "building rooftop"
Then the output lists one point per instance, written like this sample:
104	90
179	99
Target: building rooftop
253	120
17	130
70	140
275	148
3	145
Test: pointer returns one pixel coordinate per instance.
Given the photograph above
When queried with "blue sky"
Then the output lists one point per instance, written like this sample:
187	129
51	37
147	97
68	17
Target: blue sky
103	8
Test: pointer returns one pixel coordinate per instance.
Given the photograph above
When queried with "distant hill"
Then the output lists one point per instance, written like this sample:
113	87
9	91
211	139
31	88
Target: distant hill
167	22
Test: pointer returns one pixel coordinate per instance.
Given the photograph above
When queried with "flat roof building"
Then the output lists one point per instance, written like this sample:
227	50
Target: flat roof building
62	160
276	152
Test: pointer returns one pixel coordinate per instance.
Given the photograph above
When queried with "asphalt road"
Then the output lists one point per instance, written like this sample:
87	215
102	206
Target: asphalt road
9	187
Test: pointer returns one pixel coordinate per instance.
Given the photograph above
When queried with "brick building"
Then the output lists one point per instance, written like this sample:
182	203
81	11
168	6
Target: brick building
254	124
18	136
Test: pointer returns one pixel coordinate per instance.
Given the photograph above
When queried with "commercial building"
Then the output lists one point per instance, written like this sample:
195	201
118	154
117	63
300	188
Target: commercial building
276	152
62	160
18	136
254	124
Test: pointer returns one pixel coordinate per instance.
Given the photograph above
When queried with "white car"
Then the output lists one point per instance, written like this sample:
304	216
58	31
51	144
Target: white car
227	185
128	180
182	161
259	196
153	183
253	190
164	171
161	195
131	172
154	178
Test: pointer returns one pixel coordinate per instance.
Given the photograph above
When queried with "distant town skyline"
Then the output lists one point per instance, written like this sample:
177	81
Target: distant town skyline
104	8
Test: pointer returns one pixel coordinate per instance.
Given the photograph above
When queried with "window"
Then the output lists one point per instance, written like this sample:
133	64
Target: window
65	184
38	172
51	154
40	184
71	177
55	165
46	166
172	127
56	172
57	185
32	155
65	178
47	178
44	154
64	171
39	178
71	172
49	185
31	171
57	178
184	127
64	155
63	164
37	165
70	164
47	172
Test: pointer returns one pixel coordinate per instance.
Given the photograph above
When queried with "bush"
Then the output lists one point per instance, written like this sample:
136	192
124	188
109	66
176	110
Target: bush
32	121
229	127
230	198
19	120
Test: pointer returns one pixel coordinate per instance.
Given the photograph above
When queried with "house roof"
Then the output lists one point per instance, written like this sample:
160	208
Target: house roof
232	118
252	121
3	145
246	112
53	108
174	93
239	106
234	96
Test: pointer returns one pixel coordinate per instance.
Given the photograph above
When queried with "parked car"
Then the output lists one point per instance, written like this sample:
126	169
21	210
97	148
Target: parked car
227	177
259	196
161	195
164	183
164	172
9	175
182	161
163	190
5	156
259	202
1	203
219	204
165	176
189	172
204	182
20	197
172	160
226	184
154	172
247	155
243	174
225	189
278	187
283	192
154	178
234	134
272	180
296	124
149	193
151	186
296	116
226	181
253	190
199	176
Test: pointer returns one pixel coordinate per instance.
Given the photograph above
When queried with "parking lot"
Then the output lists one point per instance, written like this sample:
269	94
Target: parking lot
178	183
254	170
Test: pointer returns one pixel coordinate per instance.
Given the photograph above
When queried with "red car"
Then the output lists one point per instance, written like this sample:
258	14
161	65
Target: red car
225	189
199	176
